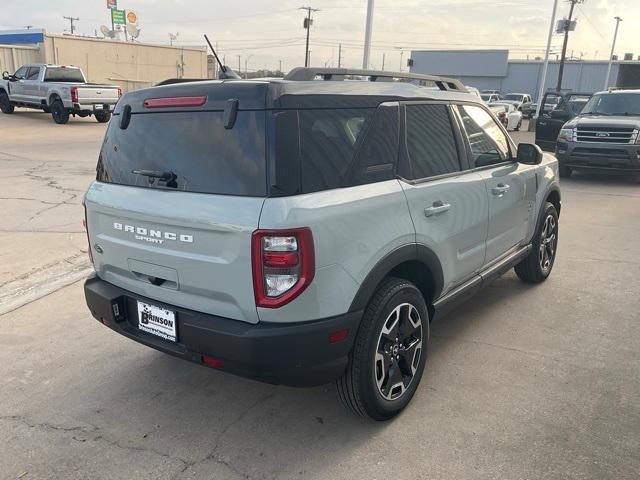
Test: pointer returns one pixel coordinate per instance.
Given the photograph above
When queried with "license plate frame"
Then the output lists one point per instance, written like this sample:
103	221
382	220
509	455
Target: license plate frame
157	321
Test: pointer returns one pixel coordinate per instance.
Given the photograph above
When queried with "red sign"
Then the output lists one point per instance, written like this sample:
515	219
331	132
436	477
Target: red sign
112	4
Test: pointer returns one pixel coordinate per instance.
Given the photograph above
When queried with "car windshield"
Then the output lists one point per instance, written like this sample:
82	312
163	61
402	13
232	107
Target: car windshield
577	103
613	104
63	74
485	97
514	96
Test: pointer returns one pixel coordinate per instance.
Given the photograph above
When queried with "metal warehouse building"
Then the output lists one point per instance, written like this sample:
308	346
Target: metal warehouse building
492	70
130	65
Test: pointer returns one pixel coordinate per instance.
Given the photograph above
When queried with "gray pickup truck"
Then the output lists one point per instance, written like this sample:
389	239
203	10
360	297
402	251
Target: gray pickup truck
59	90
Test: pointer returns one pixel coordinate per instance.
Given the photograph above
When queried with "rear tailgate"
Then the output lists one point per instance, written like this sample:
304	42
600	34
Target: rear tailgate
185	249
183	239
98	95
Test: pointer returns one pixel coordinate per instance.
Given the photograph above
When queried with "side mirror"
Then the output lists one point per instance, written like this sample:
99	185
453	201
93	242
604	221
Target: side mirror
5	75
529	154
560	114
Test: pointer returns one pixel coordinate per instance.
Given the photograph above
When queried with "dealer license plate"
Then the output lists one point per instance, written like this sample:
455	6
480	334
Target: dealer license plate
157	321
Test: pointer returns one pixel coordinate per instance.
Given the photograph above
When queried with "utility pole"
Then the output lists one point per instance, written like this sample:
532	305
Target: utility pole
71	20
613	47
545	66
308	21
280	65
567	27
367	35
339	55
239	65
383	62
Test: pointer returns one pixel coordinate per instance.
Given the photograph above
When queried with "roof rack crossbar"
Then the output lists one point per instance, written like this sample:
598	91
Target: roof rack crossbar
304	74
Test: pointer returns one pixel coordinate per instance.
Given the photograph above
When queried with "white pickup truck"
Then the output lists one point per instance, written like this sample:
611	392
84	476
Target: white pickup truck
59	90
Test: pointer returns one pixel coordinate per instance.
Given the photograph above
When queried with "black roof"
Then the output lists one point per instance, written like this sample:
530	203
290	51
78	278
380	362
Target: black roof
283	94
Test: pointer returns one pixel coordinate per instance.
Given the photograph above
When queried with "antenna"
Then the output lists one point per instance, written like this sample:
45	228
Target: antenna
108	33
227	72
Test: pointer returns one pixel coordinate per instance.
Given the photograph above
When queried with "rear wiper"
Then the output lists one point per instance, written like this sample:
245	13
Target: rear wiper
162	175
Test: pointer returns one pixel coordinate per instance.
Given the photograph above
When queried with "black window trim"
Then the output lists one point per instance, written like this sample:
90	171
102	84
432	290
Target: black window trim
403	154
29	73
512	147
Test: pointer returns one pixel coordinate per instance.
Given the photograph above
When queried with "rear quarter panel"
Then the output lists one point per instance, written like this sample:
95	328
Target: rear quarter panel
353	229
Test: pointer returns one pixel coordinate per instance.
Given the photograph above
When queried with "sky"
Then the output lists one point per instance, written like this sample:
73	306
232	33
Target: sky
265	33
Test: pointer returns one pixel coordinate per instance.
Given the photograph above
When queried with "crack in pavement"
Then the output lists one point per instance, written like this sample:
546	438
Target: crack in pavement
90	431
213	455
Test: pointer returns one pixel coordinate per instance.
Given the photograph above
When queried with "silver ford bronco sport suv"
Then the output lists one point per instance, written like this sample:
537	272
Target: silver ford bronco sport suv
306	230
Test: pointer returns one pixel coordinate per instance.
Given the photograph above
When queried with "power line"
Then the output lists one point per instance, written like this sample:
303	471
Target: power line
71	20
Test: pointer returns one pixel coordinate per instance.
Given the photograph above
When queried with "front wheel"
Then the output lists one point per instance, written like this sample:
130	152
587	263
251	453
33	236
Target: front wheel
103	117
389	356
5	104
59	113
536	267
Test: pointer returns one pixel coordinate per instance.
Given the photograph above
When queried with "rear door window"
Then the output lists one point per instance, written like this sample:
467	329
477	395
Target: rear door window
431	145
191	150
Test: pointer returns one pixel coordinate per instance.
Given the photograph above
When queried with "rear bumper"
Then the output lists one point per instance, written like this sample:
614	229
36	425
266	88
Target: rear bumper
92	107
291	354
599	157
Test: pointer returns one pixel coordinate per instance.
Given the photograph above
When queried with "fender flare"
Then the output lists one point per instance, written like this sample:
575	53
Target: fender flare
553	188
410	252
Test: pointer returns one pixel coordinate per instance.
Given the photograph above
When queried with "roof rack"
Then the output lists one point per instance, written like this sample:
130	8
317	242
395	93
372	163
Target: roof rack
337	74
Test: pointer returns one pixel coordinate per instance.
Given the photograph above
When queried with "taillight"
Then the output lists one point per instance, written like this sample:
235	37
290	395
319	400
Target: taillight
283	265
172	102
85	224
74	94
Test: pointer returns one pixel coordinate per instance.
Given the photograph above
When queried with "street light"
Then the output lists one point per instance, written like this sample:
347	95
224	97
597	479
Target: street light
543	80
613	47
246	62
367	35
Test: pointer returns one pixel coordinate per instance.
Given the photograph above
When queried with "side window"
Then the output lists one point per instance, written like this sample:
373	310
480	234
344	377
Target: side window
489	144
431	144
21	73
33	73
329	140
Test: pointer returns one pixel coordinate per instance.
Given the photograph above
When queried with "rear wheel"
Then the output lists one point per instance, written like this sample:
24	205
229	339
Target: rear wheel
538	264
390	352
5	104
517	129
565	172
103	117
59	113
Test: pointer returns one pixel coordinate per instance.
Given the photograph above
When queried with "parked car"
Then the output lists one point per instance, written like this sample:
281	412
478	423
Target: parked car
59	90
604	137
490	97
510	117
566	106
529	110
300	231
497	92
519	100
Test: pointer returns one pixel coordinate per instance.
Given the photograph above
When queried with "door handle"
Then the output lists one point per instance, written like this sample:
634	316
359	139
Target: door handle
500	189
437	208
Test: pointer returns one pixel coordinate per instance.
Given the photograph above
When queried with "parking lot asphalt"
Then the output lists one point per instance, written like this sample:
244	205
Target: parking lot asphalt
522	382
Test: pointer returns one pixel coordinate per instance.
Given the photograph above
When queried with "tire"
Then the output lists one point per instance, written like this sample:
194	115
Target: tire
565	172
103	117
46	109
517	129
388	358
537	266
5	104
59	113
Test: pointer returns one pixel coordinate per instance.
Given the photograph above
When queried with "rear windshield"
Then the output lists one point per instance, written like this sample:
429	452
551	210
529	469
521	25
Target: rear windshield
187	151
60	74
